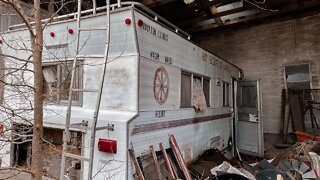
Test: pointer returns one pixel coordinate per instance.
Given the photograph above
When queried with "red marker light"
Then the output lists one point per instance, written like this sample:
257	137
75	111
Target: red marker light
107	145
127	21
52	34
140	23
70	31
1	42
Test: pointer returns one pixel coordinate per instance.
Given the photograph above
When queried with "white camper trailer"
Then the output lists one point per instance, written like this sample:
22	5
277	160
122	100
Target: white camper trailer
157	83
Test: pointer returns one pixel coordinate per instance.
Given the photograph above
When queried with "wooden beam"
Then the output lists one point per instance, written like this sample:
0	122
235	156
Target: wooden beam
288	9
182	11
214	11
156	163
217	2
136	164
178	155
220	14
167	162
154	3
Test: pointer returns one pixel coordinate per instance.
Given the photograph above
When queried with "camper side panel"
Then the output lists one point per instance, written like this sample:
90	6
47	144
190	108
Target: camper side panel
165	58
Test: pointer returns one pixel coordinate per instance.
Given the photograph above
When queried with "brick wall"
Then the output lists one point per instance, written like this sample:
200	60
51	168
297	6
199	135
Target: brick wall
8	15
262	51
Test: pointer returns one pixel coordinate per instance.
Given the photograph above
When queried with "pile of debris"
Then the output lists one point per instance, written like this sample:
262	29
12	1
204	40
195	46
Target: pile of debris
299	161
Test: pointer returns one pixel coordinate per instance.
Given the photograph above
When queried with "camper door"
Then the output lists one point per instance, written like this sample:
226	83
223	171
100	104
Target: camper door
249	126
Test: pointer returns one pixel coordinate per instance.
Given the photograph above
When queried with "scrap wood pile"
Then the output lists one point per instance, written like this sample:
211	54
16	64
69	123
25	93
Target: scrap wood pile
300	161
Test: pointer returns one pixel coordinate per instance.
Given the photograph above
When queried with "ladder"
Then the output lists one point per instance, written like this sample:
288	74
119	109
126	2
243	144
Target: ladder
93	128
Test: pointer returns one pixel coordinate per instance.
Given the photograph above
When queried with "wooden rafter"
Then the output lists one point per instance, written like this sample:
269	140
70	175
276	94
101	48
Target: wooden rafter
153	3
220	14
217	2
289	9
211	10
214	11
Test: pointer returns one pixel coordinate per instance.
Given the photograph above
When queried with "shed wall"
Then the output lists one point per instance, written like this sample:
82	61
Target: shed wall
263	51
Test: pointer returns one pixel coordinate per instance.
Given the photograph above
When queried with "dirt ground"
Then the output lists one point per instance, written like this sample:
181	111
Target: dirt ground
12	174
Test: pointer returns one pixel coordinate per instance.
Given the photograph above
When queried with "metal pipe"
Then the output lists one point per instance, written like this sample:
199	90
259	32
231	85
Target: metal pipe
97	108
120	4
66	134
94	5
138	93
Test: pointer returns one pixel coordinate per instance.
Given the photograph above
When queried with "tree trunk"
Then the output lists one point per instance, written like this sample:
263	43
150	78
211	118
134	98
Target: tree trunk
37	46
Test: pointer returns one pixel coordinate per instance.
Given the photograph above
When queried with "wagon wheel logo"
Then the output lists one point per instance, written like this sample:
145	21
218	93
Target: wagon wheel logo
161	85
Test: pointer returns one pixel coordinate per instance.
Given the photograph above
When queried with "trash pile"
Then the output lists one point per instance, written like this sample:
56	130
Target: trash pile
299	161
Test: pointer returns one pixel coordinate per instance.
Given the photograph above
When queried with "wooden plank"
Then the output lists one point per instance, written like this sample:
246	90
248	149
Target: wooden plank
154	3
155	158
218	2
283	111
288	9
214	11
220	14
167	161
136	164
179	157
296	112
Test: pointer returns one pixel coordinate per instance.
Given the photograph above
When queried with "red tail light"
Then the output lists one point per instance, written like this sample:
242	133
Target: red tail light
107	145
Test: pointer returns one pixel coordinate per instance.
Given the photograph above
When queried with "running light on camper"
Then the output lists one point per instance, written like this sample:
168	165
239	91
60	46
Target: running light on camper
127	21
107	145
70	31
52	34
1	128
140	22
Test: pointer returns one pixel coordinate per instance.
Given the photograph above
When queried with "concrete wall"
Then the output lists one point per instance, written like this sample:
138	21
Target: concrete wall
263	51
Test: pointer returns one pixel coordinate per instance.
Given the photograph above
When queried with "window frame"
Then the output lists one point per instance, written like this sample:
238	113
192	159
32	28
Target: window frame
225	94
202	78
60	66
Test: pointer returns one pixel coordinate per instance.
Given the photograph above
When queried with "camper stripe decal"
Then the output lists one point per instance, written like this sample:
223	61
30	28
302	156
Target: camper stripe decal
142	128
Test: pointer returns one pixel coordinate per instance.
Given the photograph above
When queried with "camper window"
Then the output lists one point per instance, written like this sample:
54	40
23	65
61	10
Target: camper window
206	90
185	99
195	91
198	98
57	79
226	94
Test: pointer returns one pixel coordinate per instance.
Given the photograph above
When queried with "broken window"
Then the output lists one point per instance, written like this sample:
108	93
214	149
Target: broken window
50	82
226	94
57	81
199	100
195	91
298	76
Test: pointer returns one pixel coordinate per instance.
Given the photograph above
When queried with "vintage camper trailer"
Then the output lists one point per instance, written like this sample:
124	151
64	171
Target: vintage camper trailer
157	83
